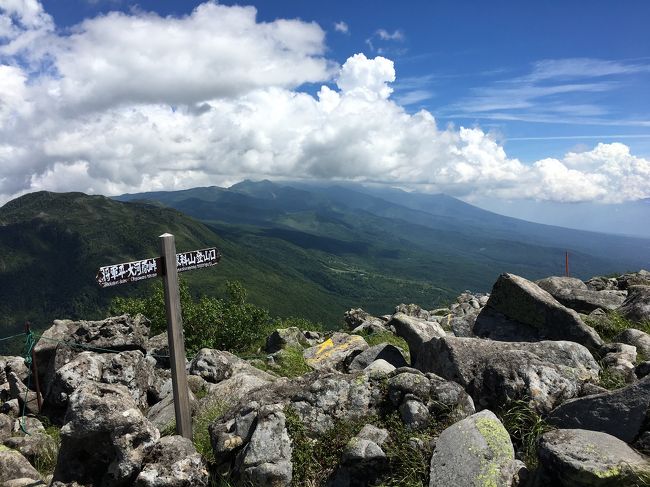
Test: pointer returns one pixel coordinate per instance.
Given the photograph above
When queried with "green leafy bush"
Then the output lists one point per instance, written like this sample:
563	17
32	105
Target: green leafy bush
226	324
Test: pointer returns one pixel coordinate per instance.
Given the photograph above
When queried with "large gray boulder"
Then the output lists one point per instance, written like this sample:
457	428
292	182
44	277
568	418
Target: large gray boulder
475	451
574	294
215	366
600	283
416	332
363	460
636	338
335	352
6	423
556	284
86	366
641	278
582	458
519	309
173	462
14	466
359	320
637	305
436	395
132	369
105	437
620	413
266	460
117	333
285	337
26	398
546	373
66	339
13	364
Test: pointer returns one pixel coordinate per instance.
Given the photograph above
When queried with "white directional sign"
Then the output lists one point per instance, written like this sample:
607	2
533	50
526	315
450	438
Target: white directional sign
138	270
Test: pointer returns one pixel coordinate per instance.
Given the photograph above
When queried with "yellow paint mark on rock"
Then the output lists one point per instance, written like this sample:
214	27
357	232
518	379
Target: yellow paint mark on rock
325	345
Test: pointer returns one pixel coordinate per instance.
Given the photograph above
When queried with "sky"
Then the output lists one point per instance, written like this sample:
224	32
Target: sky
543	103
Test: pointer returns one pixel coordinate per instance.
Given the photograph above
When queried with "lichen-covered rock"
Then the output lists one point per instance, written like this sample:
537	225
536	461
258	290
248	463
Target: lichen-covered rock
6	423
132	369
412	310
173	462
86	366
582	458
334	352
14	466
32	446
475	451
266	460
26	398
637	305
285	337
118	333
620	413
385	351
492	372
415	332
519	310
440	396
15	365
105	437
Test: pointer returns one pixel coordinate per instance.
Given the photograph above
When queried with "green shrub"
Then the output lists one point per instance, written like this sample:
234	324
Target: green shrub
226	324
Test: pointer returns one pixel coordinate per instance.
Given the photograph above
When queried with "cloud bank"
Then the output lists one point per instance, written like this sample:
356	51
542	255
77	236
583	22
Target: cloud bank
127	103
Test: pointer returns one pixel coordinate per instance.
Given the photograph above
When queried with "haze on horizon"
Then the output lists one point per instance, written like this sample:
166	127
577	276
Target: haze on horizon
532	111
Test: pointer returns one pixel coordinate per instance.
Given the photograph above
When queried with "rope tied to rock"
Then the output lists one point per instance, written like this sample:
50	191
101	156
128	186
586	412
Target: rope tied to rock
30	342
12	336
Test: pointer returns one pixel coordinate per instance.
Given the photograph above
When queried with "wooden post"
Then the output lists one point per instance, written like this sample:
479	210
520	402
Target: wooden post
175	336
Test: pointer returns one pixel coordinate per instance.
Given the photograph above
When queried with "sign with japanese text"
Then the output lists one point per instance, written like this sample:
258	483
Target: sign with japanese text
113	275
197	259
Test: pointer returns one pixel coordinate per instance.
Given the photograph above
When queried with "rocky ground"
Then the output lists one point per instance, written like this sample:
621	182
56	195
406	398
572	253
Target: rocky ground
536	384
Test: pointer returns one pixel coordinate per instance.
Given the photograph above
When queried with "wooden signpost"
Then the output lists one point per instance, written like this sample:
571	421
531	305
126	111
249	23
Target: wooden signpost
168	265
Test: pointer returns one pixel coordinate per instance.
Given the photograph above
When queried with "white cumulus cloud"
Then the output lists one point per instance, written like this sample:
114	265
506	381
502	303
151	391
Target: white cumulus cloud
136	102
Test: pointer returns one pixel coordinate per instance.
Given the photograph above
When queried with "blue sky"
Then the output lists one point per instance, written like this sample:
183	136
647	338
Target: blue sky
544	77
519	107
